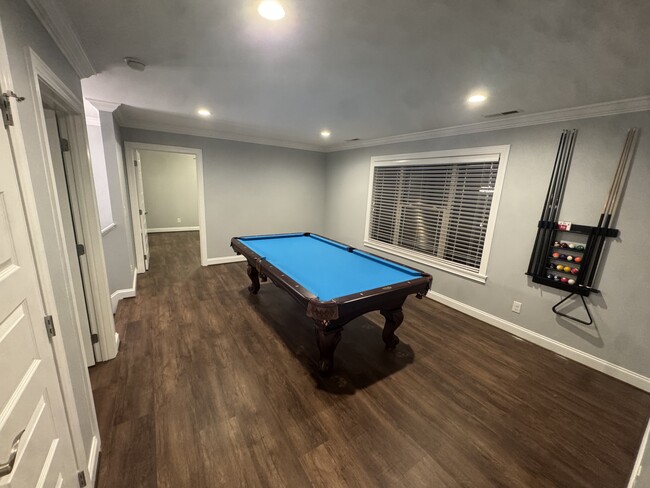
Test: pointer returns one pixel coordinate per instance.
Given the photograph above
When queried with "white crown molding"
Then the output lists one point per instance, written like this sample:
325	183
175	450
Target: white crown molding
639	104
216	134
614	370
92	120
58	25
104	106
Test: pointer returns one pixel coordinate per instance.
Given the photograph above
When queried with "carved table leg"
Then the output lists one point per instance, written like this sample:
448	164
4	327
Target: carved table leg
394	319
255	281
327	341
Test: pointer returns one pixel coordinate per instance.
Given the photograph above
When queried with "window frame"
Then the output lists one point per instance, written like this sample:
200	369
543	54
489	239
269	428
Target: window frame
442	157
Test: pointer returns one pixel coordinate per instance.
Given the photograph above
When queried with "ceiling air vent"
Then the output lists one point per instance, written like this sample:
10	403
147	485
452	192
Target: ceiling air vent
502	114
352	140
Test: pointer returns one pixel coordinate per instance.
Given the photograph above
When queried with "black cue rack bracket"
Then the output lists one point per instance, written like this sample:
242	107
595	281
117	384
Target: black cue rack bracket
588	261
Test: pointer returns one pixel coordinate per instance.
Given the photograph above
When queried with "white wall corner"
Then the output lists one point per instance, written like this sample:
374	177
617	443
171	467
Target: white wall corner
58	25
618	372
118	295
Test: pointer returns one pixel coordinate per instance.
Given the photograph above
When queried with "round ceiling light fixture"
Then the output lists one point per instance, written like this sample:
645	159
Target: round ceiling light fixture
204	112
271	10
134	63
325	133
477	98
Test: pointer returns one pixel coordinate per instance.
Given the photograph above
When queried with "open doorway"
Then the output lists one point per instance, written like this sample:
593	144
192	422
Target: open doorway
166	193
75	256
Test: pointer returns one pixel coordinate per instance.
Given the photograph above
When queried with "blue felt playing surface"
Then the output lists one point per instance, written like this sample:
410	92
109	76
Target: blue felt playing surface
326	268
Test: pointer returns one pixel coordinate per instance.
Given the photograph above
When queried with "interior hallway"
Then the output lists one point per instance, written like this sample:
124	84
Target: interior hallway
213	387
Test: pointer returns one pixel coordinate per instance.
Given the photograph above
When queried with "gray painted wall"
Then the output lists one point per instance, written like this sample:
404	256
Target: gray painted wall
119	254
21	30
170	189
251	188
621	333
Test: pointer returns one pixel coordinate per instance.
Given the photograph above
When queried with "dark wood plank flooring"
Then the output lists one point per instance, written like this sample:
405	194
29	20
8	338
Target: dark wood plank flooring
213	387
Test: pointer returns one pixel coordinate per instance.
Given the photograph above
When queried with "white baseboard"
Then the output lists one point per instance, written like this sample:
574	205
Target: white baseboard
225	260
170	229
593	362
125	293
638	465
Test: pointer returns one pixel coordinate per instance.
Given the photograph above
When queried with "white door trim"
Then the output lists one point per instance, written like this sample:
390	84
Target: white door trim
45	282
130	148
99	294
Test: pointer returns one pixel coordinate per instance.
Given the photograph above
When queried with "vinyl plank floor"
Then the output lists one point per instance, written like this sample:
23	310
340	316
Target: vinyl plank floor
213	387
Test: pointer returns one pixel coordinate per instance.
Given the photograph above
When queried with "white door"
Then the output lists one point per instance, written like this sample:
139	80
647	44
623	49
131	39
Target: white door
142	211
71	227
30	393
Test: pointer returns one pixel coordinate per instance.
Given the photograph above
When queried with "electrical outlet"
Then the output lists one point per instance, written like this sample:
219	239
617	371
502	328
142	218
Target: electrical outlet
178	220
516	307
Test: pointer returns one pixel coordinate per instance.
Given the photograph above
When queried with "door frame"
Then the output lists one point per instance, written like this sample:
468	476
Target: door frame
46	285
130	148
74	125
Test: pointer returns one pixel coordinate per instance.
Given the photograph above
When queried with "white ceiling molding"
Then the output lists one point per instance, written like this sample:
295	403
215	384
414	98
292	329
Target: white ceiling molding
104	106
215	134
94	121
639	104
59	26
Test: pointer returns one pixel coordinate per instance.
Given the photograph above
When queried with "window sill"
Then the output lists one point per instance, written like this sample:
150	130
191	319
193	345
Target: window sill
422	259
107	229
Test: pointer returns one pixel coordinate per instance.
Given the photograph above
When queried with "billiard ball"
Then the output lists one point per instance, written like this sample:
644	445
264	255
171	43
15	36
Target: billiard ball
575	270
572	281
578	259
556	244
559	267
549	276
564	245
580	247
567	269
556	278
569	257
572	246
564	280
555	255
562	256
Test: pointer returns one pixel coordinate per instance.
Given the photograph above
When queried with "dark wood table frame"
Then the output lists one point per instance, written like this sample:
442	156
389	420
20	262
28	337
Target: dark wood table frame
331	316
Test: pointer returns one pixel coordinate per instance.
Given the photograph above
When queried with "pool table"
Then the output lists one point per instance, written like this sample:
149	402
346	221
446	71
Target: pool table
334	282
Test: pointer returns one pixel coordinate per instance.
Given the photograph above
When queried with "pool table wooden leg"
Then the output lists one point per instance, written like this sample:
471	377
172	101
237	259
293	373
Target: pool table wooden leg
327	341
394	319
255	279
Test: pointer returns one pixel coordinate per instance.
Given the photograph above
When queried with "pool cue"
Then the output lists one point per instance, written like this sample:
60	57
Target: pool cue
610	207
557	200
535	255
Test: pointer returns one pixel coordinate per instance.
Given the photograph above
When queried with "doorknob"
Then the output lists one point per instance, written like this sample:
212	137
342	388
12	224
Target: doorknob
7	467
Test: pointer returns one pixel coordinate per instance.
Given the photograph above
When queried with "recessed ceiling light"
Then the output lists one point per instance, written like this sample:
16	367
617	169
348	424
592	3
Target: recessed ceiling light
325	133
203	112
270	9
477	98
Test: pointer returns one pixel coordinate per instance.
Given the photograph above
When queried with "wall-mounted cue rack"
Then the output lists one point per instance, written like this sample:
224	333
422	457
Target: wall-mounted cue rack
566	256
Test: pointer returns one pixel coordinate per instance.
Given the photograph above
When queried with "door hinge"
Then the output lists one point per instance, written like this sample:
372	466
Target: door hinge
94	338
82	479
81	249
145	257
5	107
135	162
49	326
140	210
65	145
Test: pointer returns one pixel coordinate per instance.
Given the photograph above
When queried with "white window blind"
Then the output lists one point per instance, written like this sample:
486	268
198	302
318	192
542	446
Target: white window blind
437	209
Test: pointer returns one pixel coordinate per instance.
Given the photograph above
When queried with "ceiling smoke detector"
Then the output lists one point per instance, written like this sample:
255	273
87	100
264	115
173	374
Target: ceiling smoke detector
135	64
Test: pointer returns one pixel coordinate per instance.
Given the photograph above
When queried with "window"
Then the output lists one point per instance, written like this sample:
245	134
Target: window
437	208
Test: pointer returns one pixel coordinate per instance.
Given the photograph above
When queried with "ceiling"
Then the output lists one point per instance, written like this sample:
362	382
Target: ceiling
361	68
